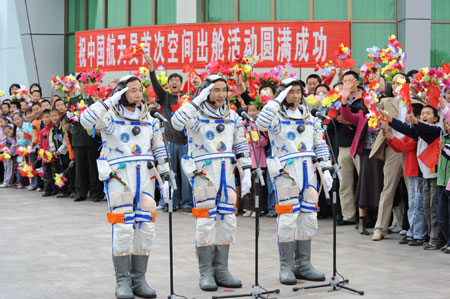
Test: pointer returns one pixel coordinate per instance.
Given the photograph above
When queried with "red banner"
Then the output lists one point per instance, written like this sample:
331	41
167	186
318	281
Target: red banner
303	44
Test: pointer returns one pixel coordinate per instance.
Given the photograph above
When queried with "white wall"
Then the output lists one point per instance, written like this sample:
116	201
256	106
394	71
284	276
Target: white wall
12	62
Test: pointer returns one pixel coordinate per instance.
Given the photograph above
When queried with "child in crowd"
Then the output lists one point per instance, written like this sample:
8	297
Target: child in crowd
425	132
58	147
36	181
260	142
23	106
9	141
46	105
48	167
417	233
443	191
67	126
23	134
14	107
60	106
5	108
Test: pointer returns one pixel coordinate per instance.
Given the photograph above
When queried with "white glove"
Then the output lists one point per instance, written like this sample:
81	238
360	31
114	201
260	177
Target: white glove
111	101
246	182
203	95
165	191
328	179
280	98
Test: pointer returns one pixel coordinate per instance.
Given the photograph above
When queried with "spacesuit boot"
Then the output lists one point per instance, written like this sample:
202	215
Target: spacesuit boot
287	262
138	269
303	268
205	258
122	264
222	275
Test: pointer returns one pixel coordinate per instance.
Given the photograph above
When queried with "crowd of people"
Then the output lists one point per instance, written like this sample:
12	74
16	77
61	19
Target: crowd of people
394	160
385	185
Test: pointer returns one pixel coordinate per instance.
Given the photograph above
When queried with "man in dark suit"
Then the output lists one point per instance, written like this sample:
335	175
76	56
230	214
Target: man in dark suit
86	153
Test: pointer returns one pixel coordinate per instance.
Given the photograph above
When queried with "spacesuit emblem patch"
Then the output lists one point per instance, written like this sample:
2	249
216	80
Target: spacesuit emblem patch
301	147
124	137
209	135
290	135
221	147
136	150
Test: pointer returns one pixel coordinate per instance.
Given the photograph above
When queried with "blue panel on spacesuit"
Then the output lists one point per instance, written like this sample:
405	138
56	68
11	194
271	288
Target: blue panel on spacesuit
290	135
124	137
136	150
209	135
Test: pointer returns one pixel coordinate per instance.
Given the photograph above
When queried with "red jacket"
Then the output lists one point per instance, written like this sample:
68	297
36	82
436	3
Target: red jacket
43	140
408	146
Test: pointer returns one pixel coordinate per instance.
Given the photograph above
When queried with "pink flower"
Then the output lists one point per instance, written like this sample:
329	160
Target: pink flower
446	82
431	73
440	74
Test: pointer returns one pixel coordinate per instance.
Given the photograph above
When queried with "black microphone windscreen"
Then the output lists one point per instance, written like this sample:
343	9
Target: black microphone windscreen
314	111
153	112
239	111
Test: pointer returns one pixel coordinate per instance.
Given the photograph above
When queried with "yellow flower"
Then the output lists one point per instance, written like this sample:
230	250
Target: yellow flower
312	100
246	68
326	102
373	122
1	93
401	81
143	70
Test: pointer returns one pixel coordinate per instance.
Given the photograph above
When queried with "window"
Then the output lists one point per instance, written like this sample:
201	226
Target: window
440	10
141	12
254	10
116	14
374	10
367	35
292	10
76	16
219	10
95	14
440	44
330	9
166	12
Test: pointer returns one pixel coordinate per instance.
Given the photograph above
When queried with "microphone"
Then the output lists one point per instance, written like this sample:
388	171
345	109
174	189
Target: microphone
154	113
319	114
244	114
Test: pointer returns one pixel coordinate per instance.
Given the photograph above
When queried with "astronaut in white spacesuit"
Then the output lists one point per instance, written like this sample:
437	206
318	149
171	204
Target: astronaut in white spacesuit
134	158
297	139
217	147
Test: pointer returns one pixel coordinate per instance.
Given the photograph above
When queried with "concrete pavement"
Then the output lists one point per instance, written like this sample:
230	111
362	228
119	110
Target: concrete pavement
57	248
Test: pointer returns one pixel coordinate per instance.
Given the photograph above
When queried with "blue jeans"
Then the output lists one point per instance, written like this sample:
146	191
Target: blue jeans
271	194
443	212
35	179
416	217
176	152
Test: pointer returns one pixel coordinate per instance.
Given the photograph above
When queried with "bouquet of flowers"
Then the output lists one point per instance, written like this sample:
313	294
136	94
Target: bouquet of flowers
392	57
65	84
327	71
21	94
92	77
26	170
99	93
60	180
245	66
133	50
423	78
46	156
344	57
23	151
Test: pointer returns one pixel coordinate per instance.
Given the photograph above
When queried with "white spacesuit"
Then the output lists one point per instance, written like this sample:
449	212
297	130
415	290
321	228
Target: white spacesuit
134	152
216	147
296	139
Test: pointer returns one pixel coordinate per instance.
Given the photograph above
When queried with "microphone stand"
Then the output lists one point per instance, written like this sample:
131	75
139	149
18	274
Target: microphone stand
257	173
334	282
172	184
